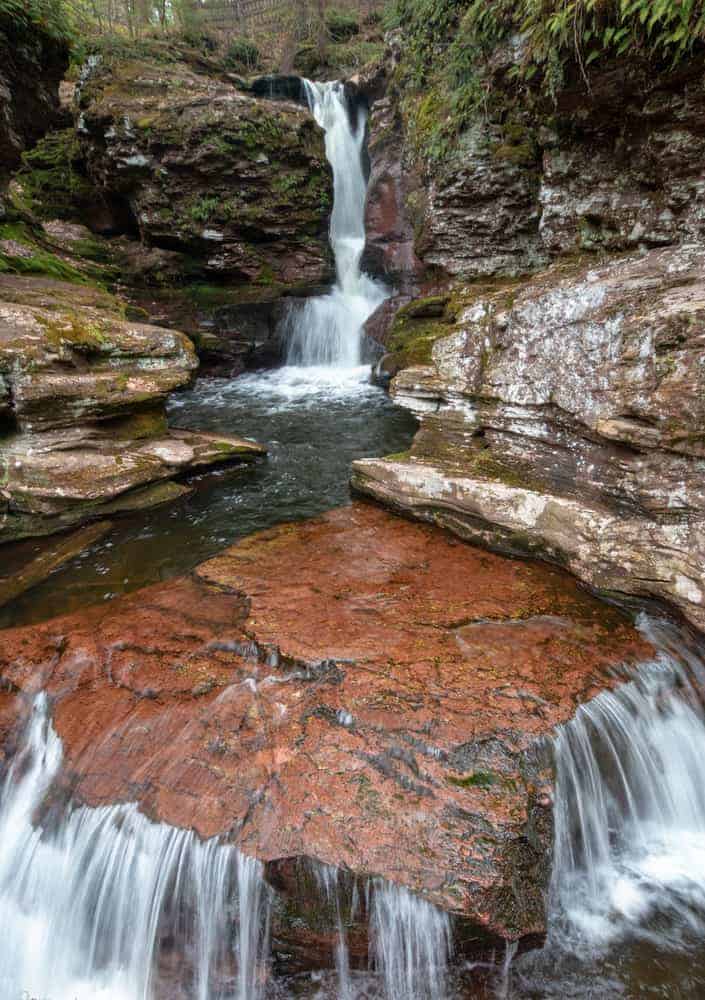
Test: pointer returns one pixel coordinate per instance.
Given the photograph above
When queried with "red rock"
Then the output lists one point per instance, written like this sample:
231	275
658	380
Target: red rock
217	702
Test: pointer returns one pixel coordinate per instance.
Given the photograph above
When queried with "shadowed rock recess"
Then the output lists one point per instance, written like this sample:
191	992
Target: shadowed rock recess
355	689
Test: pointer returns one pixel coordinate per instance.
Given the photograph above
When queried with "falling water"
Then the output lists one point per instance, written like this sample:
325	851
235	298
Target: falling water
410	943
327	330
104	904
629	856
328	879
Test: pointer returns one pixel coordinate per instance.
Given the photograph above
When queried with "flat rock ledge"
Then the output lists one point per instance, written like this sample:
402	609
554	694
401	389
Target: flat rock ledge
83	430
356	689
562	417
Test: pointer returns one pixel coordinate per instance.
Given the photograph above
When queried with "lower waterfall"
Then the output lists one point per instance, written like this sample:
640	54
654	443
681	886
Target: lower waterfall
627	893
326	330
630	811
102	903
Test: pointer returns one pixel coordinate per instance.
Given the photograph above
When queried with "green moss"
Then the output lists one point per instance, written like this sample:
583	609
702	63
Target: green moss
52	183
478	779
76	330
414	332
204	208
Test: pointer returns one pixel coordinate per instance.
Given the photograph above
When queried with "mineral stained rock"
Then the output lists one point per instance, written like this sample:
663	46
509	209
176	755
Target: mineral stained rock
356	689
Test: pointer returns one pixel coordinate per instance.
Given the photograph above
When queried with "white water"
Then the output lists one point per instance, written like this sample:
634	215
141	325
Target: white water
410	943
104	905
326	331
629	856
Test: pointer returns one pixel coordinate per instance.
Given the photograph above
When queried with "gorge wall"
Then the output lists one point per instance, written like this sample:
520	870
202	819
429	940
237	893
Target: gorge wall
554	349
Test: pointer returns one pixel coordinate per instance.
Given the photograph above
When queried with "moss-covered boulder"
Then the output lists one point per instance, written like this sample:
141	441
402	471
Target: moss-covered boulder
238	185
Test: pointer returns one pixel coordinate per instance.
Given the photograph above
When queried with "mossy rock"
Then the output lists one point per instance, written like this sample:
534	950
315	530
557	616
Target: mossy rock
53	183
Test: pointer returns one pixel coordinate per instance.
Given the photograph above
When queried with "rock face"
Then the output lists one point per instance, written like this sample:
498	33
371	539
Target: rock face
356	689
614	169
564	417
82	394
238	185
31	67
562	414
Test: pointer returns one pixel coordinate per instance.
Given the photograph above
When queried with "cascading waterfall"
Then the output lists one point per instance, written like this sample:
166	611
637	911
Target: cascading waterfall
411	943
326	330
629	855
104	904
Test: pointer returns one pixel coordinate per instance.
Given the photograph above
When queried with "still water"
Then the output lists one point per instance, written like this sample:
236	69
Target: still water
314	422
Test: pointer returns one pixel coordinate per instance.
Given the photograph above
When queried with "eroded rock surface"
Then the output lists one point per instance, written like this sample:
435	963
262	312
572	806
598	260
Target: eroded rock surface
564	417
614	167
237	184
82	394
356	689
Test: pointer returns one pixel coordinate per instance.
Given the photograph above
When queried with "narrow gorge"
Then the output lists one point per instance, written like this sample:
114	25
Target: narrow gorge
352	570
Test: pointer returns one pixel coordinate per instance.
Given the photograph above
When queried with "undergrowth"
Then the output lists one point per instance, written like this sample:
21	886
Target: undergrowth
449	46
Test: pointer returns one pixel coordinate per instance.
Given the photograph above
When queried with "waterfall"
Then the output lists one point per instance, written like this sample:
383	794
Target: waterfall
410	943
327	330
102	903
629	854
328	879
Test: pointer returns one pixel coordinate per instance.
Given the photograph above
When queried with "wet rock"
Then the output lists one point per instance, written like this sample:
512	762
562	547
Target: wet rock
82	394
395	197
55	555
563	417
357	689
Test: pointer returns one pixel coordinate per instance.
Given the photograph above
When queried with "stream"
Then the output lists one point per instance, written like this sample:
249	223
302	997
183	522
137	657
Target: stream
103	903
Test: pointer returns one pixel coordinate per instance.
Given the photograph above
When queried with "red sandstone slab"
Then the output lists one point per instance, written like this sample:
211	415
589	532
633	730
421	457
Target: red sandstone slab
357	688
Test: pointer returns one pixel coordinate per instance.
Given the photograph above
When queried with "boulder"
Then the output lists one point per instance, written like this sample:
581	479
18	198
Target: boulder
356	690
239	185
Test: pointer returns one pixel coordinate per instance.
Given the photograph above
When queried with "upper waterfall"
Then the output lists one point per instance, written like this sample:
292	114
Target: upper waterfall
327	329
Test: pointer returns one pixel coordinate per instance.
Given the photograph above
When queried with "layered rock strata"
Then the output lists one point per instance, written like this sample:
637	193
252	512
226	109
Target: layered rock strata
238	185
564	417
615	167
82	425
357	689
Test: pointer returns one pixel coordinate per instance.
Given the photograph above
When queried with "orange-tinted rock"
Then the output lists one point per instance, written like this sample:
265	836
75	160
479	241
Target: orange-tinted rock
358	689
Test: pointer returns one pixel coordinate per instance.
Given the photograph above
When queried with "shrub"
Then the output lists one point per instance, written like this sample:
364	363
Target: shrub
341	25
448	44
50	16
243	56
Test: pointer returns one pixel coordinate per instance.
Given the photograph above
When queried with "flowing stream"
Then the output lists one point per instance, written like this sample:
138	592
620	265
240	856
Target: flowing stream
315	415
102	903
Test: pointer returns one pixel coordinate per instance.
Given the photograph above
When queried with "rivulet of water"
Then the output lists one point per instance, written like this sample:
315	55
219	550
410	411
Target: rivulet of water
626	914
326	330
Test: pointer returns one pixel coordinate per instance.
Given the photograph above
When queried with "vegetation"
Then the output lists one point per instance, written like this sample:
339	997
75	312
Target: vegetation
448	45
243	56
53	17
